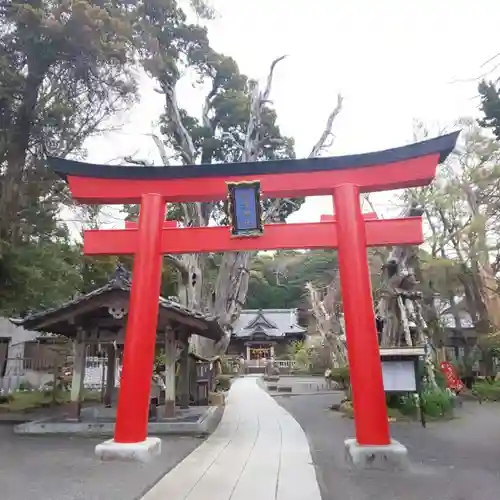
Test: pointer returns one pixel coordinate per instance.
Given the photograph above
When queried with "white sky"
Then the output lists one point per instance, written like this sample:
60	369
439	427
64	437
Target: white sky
393	60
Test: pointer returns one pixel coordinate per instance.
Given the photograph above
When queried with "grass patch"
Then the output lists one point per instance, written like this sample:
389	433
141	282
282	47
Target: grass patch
487	391
23	402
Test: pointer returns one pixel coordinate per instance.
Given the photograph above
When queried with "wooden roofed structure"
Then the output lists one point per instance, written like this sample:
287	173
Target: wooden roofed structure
100	317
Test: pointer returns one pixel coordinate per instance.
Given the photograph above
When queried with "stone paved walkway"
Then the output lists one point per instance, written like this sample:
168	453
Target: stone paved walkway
258	451
450	460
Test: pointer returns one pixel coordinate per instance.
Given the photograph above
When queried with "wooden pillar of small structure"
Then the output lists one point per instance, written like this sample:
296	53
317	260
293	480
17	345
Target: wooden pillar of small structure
76	398
184	377
170	354
110	375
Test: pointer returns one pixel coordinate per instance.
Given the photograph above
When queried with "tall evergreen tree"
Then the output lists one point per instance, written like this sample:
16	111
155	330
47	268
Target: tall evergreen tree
490	106
63	71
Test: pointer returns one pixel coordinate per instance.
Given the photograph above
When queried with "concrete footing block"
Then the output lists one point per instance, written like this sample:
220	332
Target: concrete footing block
144	451
393	456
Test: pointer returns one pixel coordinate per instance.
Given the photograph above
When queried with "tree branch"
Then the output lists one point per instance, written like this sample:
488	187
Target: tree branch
179	265
258	100
269	83
206	106
161	149
318	147
142	163
321	145
185	141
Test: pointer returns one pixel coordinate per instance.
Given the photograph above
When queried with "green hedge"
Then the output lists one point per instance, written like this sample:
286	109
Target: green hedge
436	403
487	391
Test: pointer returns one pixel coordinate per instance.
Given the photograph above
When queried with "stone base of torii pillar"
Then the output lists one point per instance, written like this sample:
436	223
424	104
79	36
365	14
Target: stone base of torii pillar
138	452
392	456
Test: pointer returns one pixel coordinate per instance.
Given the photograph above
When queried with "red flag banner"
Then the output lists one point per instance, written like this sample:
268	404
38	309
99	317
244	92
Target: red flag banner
452	379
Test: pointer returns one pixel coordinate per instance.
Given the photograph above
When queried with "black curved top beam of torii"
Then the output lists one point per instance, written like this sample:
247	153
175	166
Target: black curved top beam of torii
407	166
442	145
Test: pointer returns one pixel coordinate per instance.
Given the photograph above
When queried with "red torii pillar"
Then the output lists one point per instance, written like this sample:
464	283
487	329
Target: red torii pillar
344	177
350	238
371	419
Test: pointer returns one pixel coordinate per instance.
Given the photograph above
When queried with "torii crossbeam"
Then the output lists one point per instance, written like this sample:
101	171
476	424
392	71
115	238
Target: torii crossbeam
379	233
344	177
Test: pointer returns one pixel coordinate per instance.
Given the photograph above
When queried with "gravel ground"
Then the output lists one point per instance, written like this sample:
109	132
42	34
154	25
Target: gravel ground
65	468
453	460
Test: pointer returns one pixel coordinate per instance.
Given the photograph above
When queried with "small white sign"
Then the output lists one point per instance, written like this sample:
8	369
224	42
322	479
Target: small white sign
399	376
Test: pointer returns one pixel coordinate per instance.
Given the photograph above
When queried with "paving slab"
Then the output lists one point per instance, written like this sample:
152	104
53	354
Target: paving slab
449	460
258	451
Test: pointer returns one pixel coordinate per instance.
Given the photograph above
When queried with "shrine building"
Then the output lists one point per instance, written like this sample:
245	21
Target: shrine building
265	333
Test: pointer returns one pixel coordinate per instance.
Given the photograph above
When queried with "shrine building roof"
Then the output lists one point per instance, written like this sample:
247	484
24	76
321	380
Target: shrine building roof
273	323
103	307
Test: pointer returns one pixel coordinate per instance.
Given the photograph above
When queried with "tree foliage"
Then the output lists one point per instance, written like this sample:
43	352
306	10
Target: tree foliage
489	93
63	71
459	269
279	280
66	67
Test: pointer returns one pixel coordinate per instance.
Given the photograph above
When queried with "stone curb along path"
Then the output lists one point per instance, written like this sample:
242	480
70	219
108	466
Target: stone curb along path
258	451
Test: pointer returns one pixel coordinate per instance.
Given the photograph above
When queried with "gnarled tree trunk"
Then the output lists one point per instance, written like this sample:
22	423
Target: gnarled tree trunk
227	296
327	315
400	307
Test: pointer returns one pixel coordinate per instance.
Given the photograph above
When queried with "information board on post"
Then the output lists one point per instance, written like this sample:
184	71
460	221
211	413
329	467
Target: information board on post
399	376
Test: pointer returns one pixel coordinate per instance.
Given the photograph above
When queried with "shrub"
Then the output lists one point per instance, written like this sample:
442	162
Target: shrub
302	359
24	386
320	360
341	376
409	405
5	399
226	365
487	391
347	409
437	402
440	379
223	382
406	404
300	354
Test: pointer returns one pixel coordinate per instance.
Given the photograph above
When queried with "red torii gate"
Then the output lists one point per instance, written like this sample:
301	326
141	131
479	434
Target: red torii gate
344	177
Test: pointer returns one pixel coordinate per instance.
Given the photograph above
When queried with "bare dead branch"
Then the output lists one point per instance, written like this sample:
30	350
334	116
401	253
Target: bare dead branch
161	149
369	202
179	265
269	83
258	100
490	59
185	141
327	132
142	163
